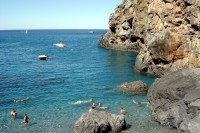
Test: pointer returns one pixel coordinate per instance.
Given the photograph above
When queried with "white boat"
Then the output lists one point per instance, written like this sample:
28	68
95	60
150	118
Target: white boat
26	31
42	57
91	32
60	45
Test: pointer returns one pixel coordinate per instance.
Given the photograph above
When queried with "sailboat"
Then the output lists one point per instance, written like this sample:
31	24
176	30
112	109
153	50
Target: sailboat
26	31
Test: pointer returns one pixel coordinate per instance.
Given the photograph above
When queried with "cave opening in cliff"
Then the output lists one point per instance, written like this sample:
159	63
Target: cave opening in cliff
187	4
160	61
144	69
130	22
142	40
195	27
113	29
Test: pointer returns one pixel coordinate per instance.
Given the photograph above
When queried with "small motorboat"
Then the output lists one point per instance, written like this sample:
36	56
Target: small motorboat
60	45
91	32
43	57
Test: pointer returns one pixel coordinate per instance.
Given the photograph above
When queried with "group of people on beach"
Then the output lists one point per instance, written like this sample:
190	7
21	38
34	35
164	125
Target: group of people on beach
13	113
121	111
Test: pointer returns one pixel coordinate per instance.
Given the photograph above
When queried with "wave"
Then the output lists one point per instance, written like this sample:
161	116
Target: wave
79	102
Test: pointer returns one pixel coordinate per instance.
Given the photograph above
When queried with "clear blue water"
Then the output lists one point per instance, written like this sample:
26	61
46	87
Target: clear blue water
79	71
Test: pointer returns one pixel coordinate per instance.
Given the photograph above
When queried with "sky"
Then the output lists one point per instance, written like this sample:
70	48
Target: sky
56	14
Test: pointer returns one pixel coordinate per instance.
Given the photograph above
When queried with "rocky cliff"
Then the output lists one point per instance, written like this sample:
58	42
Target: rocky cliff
166	33
174	100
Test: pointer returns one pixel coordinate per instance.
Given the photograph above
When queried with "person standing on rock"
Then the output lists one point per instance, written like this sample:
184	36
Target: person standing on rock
122	111
92	107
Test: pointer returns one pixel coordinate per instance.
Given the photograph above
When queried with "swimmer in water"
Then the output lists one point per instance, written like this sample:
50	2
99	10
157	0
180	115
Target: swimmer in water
138	103
26	118
100	106
90	100
82	102
21	100
13	112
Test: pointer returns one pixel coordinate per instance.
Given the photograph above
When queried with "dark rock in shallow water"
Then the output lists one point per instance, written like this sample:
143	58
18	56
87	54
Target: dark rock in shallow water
174	100
134	87
100	122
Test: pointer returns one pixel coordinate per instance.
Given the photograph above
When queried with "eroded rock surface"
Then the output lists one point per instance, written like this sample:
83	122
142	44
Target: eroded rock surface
174	100
100	122
126	26
173	37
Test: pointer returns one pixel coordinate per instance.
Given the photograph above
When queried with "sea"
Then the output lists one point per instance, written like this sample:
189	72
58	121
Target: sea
55	87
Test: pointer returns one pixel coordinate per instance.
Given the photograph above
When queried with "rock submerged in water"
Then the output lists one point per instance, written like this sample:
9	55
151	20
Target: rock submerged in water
100	122
174	100
133	87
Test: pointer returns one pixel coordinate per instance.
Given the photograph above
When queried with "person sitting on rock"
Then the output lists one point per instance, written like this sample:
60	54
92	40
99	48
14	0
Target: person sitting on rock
21	100
122	111
138	103
100	106
92	107
13	112
26	118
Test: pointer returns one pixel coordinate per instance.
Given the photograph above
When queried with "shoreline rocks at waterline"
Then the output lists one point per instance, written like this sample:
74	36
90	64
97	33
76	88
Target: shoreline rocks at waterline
174	100
100	122
135	87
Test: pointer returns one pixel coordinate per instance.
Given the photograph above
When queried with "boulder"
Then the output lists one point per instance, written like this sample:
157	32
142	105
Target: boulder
100	122
134	87
174	100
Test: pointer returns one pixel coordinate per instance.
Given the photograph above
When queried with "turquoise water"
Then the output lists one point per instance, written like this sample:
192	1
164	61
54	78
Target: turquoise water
79	71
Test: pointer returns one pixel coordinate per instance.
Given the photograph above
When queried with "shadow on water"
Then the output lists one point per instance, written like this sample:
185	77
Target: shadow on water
31	124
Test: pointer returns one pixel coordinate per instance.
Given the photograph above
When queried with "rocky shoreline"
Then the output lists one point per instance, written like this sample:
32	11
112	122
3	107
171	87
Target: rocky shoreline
165	33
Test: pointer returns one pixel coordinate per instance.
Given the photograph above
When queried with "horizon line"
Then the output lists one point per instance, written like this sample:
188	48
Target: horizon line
56	29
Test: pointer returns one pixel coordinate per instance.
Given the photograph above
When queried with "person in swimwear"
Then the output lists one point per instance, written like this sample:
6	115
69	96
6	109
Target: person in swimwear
138	103
13	112
92	107
90	100
122	111
21	100
26	118
100	106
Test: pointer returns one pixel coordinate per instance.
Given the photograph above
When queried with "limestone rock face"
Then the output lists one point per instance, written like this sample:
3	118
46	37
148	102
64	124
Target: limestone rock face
173	37
126	26
100	122
134	87
166	33
174	100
